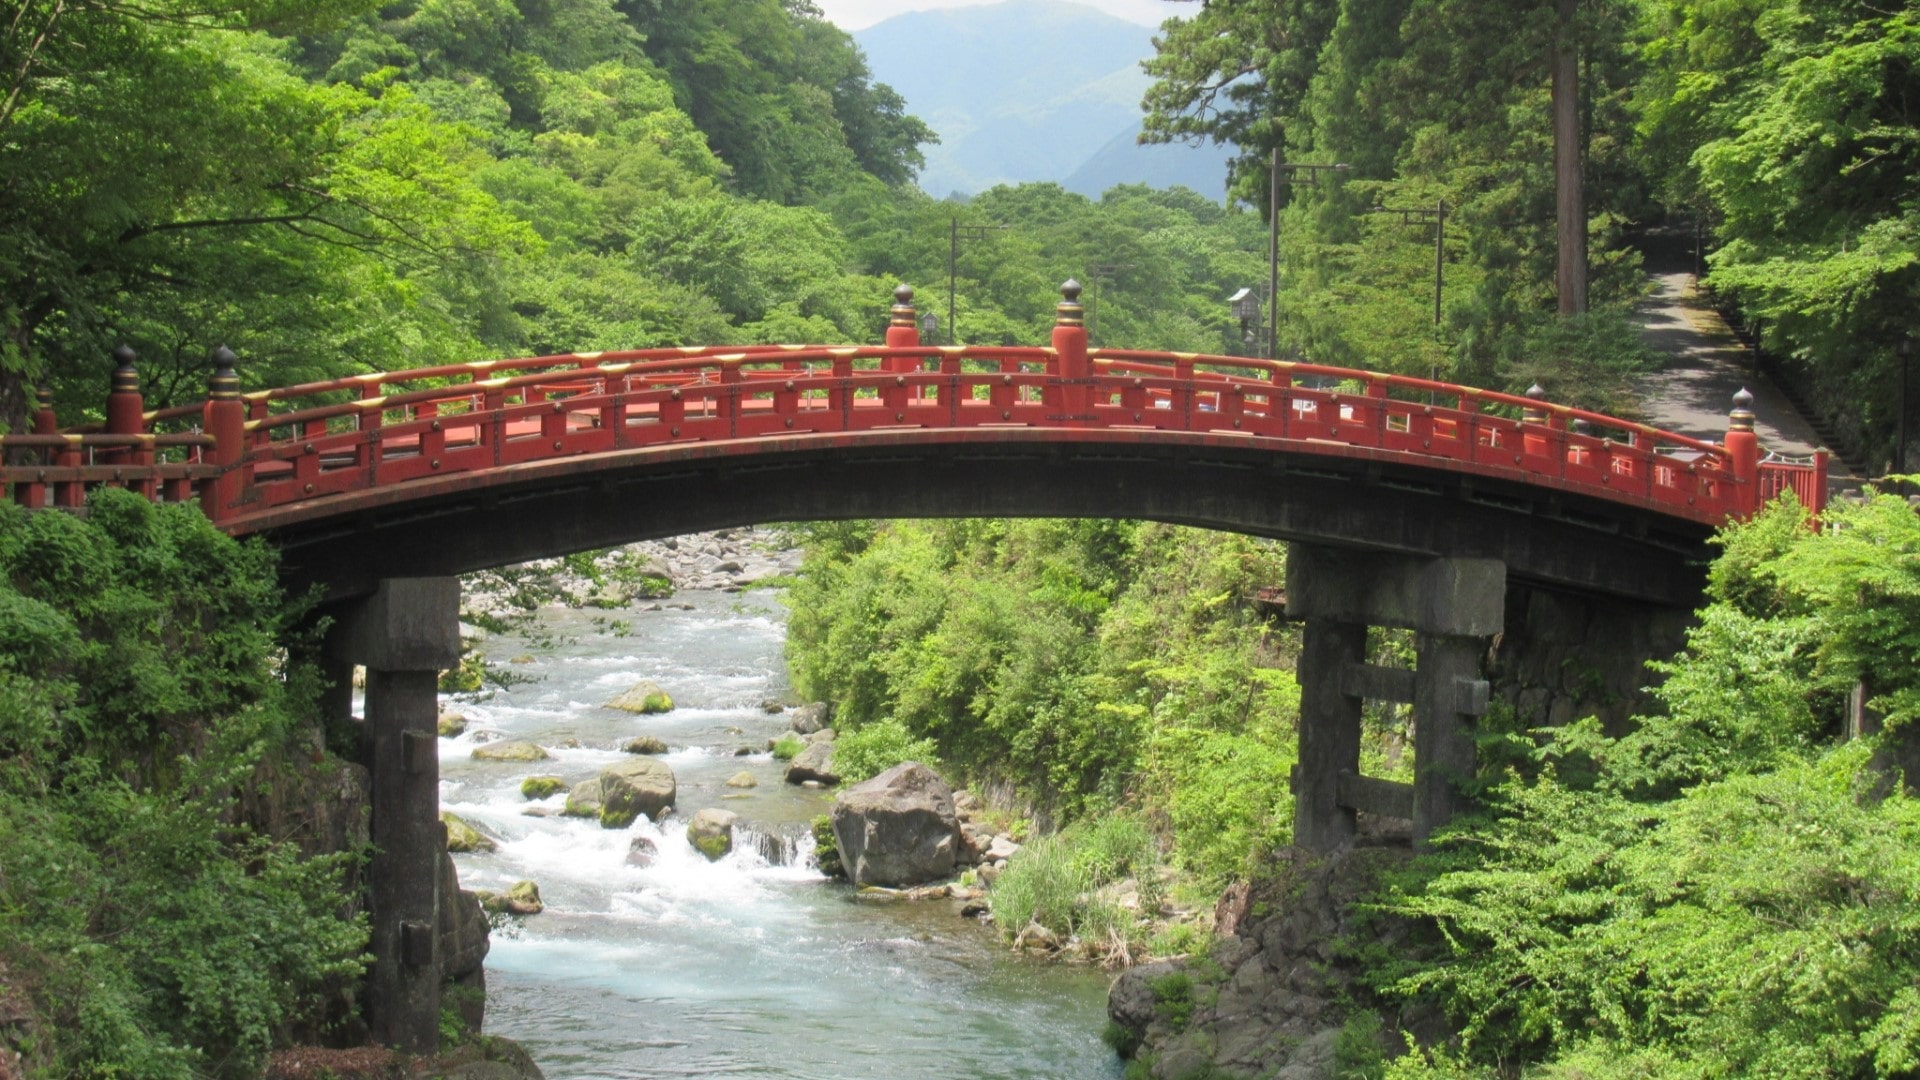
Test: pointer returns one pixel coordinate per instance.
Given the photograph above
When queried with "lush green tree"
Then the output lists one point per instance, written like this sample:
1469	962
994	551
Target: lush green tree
155	930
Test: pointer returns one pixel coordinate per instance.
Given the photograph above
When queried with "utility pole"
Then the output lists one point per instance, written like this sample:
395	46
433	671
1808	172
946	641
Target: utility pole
954	235
1312	178
1437	215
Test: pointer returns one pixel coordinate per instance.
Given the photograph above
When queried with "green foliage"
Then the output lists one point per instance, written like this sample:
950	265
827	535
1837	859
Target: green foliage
1056	881
1723	891
165	936
826	848
871	750
1357	1053
788	746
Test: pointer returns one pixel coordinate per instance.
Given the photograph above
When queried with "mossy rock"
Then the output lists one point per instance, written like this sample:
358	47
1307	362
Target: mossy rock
711	832
523	658
451	725
462	837
643	697
584	800
742	779
540	787
521	898
644	744
512	750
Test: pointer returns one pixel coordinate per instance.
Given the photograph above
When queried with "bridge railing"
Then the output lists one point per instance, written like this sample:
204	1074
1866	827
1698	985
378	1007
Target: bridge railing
248	455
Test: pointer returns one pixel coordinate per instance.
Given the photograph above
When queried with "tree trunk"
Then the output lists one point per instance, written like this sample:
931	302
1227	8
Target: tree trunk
1570	197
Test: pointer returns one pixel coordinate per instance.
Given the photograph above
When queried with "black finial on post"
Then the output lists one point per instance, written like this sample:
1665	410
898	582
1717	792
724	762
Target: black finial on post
1535	414
125	379
902	313
1070	312
1741	418
225	382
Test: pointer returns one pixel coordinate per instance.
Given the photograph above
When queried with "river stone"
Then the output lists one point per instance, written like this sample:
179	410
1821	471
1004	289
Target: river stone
898	828
808	719
742	779
815	763
461	931
584	799
522	898
463	837
644	696
642	852
711	832
511	750
539	787
645	744
629	789
451	724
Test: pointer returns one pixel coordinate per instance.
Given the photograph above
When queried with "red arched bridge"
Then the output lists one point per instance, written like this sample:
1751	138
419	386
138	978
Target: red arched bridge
452	468
1410	503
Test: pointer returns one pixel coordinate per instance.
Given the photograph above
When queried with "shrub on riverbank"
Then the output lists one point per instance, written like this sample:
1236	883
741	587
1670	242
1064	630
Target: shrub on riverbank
151	931
1727	890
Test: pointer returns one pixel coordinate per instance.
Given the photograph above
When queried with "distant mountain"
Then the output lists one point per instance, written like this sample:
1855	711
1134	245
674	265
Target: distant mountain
1030	90
1163	165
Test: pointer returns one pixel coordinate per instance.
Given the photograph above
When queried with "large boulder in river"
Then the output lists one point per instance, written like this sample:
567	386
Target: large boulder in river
644	696
463	837
511	750
898	828
711	833
641	785
808	719
813	763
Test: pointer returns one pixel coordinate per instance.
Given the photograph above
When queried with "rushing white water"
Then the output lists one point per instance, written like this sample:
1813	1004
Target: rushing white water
736	968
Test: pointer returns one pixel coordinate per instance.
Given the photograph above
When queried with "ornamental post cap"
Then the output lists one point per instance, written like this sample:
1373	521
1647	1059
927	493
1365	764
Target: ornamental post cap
1071	290
43	397
224	385
1537	392
901	314
1582	426
125	379
1741	418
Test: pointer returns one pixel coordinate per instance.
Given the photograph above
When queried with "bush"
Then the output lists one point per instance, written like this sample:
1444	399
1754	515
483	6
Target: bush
788	746
138	697
869	751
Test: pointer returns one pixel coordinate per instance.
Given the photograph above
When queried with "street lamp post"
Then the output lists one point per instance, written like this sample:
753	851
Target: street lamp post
1275	165
954	235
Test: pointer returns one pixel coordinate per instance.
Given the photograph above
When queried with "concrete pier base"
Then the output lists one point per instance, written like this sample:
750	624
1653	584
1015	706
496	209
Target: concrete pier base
405	635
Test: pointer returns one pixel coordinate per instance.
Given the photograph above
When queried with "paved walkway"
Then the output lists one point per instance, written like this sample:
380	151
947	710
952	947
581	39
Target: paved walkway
1706	366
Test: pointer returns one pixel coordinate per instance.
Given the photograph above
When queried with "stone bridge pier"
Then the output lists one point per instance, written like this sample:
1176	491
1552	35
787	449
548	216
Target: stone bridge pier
405	634
1454	606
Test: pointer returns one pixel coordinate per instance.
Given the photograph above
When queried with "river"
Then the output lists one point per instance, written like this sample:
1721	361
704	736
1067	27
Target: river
747	967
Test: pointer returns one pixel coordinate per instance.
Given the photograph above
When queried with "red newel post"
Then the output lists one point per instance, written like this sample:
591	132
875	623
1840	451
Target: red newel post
1070	342
224	417
126	409
903	330
1743	455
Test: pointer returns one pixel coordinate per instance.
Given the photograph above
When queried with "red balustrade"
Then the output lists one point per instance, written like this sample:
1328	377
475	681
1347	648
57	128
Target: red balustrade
246	456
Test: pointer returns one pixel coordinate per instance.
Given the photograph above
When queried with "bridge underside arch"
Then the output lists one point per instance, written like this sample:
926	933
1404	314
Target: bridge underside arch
1358	500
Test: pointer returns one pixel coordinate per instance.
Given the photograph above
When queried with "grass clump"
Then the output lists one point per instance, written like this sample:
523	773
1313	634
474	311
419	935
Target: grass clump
787	747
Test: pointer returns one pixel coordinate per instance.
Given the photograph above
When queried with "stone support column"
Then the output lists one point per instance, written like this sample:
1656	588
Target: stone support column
405	635
1329	733
1454	606
1448	693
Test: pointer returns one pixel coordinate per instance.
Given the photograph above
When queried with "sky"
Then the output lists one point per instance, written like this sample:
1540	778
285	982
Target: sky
860	14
